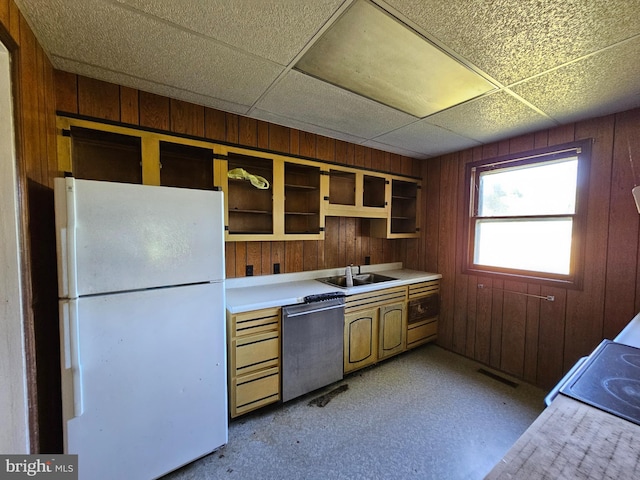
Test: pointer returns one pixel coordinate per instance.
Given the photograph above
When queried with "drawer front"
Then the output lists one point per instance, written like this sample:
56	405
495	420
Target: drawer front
251	323
422	289
256	352
256	390
375	299
422	332
423	308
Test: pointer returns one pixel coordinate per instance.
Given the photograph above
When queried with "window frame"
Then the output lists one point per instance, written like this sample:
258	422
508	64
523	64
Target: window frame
581	149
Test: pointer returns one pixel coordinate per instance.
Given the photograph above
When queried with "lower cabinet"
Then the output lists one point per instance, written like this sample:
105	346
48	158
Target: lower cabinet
423	311
375	327
360	339
392	330
254	359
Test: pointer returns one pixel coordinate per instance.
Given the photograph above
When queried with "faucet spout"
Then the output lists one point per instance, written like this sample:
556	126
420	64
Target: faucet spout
348	276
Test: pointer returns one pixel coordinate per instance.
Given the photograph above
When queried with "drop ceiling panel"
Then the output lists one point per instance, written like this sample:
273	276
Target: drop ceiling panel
141	47
272	29
369	52
491	118
512	40
600	84
147	86
427	139
393	149
304	126
303	98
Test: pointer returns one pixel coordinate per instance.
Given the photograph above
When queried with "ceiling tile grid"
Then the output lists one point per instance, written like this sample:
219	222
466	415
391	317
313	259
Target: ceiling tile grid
553	61
600	84
304	98
513	40
491	118
271	29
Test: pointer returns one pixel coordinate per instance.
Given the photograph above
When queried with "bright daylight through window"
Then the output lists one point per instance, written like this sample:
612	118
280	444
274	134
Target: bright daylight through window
526	214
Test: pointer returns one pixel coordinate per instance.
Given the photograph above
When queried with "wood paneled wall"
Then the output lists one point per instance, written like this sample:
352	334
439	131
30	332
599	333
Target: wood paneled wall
347	240
34	113
534	339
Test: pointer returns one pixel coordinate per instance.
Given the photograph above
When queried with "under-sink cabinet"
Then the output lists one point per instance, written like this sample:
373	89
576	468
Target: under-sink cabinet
360	339
374	327
253	359
392	330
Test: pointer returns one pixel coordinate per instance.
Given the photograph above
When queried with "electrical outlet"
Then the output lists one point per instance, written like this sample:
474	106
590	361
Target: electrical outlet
276	268
249	271
367	260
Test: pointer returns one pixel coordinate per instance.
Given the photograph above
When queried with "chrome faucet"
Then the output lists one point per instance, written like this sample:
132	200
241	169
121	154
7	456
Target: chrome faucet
349	276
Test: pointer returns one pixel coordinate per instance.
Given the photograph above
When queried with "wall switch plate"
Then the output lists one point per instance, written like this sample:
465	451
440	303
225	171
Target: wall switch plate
276	268
249	271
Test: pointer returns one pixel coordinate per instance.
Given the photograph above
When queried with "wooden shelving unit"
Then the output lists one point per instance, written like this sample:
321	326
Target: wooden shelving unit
302	199
302	192
250	208
404	197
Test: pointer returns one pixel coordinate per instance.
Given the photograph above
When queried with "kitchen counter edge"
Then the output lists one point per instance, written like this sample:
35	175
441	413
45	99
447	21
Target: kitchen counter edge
265	291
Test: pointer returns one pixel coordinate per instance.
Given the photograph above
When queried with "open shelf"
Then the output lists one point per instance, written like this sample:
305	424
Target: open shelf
250	209
302	199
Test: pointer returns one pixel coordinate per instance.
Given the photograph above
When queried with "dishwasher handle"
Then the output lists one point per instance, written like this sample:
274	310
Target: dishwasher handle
308	308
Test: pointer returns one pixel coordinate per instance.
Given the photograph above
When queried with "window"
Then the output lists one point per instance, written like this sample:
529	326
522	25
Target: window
526	214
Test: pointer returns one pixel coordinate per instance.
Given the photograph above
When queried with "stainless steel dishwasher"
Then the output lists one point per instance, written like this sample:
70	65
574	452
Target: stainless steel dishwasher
312	344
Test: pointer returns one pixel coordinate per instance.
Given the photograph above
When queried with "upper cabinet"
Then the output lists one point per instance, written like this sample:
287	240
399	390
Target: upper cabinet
268	196
186	166
356	193
115	153
108	156
302	213
403	220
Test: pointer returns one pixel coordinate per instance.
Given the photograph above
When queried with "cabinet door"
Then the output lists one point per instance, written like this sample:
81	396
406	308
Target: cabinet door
393	330
360	339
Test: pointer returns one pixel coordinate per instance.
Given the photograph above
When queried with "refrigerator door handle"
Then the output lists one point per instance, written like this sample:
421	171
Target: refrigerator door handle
69	242
71	354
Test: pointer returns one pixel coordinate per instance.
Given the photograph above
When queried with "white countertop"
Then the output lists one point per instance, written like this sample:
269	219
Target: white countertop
253	293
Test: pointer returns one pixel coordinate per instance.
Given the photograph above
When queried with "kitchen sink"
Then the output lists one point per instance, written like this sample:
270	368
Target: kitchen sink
358	280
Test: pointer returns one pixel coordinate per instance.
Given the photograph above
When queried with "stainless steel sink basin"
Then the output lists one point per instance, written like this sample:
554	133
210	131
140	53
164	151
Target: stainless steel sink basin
358	280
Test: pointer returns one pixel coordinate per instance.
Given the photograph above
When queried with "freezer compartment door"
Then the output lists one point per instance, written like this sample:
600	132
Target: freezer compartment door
114	237
144	380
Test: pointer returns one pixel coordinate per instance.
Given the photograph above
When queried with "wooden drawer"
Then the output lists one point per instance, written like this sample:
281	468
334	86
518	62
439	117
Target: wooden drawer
251	323
255	352
253	391
375	299
421	289
422	332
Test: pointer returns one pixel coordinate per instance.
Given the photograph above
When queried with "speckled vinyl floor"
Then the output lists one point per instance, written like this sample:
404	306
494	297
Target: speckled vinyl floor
426	414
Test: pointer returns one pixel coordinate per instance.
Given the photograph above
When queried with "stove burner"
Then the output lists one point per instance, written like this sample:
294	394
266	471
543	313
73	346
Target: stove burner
609	380
625	390
632	359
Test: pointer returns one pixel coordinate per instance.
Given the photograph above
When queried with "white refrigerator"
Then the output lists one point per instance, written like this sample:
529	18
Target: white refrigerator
142	326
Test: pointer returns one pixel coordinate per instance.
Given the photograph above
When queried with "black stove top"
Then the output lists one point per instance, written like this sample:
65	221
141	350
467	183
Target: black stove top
609	380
